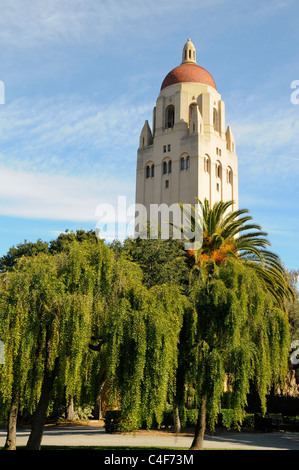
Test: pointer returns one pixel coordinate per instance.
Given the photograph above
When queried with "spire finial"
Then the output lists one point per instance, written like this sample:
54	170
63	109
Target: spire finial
189	53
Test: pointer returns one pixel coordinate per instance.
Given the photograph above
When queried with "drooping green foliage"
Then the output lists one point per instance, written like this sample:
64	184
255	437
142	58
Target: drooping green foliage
50	305
126	315
59	304
240	337
143	345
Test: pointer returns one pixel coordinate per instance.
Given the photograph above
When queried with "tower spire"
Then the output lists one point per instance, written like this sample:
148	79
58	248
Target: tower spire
189	53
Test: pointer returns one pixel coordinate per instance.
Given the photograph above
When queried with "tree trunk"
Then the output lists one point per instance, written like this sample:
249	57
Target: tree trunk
70	413
197	443
176	419
11	437
98	405
37	429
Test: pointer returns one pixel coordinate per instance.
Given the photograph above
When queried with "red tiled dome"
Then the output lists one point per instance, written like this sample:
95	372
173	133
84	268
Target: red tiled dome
188	72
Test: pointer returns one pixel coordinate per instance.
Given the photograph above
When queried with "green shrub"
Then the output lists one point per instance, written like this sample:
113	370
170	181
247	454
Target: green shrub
83	413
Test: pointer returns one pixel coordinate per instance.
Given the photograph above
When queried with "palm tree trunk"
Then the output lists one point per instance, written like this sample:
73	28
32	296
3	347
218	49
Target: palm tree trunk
11	437
197	443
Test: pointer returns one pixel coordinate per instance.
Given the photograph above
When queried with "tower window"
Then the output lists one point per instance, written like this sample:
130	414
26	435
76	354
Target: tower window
164	168
148	172
169	147
169	116
182	164
207	164
166	184
153	170
164	148
187	163
169	166
215	119
218	170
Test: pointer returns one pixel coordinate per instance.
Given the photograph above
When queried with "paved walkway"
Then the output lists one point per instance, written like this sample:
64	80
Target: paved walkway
96	436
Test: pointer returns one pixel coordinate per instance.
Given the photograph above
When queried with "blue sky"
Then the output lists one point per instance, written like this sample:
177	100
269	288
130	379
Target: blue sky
81	77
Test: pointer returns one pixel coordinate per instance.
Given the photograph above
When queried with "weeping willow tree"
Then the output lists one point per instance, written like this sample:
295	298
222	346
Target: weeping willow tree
49	304
85	272
14	373
240	337
143	344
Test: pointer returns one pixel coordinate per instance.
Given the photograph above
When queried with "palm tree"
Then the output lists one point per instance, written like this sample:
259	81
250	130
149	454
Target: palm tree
227	233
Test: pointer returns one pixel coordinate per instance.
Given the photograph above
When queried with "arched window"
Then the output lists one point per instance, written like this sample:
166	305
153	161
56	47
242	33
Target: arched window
164	168
218	170
207	165
169	166
229	175
148	171
169	116
188	163
153	170
182	164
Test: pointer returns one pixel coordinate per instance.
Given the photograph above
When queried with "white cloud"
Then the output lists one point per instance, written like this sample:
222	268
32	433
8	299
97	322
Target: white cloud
35	195
34	23
70	134
267	139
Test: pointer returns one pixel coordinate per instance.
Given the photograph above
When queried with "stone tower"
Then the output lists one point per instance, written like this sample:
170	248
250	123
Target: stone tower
189	152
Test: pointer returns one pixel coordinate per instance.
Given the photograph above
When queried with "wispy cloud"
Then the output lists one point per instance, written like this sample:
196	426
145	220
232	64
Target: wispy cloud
35	195
267	138
70	134
35	23
32	23
62	157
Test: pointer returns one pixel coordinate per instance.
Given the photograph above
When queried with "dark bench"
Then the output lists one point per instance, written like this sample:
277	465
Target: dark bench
277	422
271	422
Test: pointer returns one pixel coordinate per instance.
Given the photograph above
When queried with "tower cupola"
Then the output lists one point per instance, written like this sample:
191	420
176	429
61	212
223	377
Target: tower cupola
189	53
